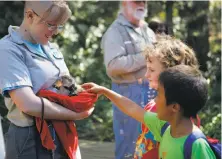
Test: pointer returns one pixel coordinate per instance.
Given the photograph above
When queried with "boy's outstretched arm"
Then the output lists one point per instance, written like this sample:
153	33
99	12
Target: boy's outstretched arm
124	104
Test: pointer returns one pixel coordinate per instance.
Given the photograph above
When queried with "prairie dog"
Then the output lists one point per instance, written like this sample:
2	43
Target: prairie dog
66	85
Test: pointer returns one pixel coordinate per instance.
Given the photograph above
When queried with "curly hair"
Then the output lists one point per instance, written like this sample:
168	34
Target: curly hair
171	52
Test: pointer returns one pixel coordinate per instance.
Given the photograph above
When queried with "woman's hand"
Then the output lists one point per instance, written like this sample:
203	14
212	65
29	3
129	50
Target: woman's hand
93	88
85	114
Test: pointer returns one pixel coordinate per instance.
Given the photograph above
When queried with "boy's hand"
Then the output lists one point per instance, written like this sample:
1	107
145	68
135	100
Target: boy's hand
93	88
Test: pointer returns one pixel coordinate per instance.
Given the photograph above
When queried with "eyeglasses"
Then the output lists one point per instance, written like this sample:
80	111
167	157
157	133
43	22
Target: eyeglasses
51	27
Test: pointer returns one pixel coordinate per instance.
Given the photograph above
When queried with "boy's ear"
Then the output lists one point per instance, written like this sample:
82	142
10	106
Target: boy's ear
176	107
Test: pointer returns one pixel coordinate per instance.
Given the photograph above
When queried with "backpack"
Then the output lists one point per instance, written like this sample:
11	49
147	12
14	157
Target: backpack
187	150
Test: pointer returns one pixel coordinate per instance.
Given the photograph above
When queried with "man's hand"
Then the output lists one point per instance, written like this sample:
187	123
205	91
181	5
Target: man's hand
93	88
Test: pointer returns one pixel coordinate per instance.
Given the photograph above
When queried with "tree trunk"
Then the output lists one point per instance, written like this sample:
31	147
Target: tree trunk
198	31
169	16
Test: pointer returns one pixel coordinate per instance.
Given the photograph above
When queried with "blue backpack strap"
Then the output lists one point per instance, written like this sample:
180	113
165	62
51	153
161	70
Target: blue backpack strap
164	127
187	149
216	147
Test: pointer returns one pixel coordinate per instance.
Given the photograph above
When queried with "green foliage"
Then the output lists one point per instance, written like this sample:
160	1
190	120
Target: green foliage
211	114
197	23
8	16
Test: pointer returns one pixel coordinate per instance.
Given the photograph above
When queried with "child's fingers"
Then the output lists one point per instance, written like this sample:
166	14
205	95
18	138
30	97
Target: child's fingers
86	85
91	90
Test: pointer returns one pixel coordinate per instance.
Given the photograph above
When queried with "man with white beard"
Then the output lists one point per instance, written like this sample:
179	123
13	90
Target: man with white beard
123	44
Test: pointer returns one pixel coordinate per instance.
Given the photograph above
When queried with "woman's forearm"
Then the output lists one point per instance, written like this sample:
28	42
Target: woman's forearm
52	111
29	103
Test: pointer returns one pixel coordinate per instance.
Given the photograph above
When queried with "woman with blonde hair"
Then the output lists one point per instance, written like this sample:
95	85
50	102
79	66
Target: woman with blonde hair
28	63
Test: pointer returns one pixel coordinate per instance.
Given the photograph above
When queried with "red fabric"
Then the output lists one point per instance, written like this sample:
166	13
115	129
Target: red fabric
65	130
196	121
153	153
212	140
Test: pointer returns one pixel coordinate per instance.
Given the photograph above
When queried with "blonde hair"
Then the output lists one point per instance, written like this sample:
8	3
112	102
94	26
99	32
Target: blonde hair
57	11
171	52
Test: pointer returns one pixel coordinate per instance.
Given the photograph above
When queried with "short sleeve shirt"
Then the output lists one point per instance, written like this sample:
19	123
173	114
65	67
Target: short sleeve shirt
23	66
172	148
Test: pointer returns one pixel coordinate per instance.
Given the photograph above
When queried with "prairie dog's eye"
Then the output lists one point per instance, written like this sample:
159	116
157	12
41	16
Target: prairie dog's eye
66	87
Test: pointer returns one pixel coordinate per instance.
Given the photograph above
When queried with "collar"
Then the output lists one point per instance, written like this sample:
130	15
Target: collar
17	38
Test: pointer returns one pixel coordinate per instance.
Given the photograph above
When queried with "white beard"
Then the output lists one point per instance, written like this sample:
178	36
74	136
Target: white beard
140	15
137	13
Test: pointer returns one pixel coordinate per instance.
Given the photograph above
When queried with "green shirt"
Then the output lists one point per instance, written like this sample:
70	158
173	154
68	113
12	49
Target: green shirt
172	148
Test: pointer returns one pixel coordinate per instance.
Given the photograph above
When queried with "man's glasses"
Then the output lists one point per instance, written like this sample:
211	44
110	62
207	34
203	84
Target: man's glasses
51	27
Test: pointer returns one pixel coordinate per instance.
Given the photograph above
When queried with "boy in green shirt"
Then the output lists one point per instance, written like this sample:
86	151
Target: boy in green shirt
182	92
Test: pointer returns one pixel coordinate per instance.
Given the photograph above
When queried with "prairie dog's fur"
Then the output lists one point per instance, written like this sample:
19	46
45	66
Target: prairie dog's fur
66	85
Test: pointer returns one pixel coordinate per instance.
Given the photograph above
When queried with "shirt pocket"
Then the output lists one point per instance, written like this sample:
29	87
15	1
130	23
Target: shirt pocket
139	47
136	42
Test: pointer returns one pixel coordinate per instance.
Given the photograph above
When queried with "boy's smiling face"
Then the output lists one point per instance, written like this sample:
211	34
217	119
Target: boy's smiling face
154	68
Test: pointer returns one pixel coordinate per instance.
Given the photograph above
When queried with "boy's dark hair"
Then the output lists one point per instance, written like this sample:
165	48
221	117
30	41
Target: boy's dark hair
185	86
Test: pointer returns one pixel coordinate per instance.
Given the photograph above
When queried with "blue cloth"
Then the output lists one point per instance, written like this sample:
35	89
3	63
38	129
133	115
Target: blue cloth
126	128
37	47
147	93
